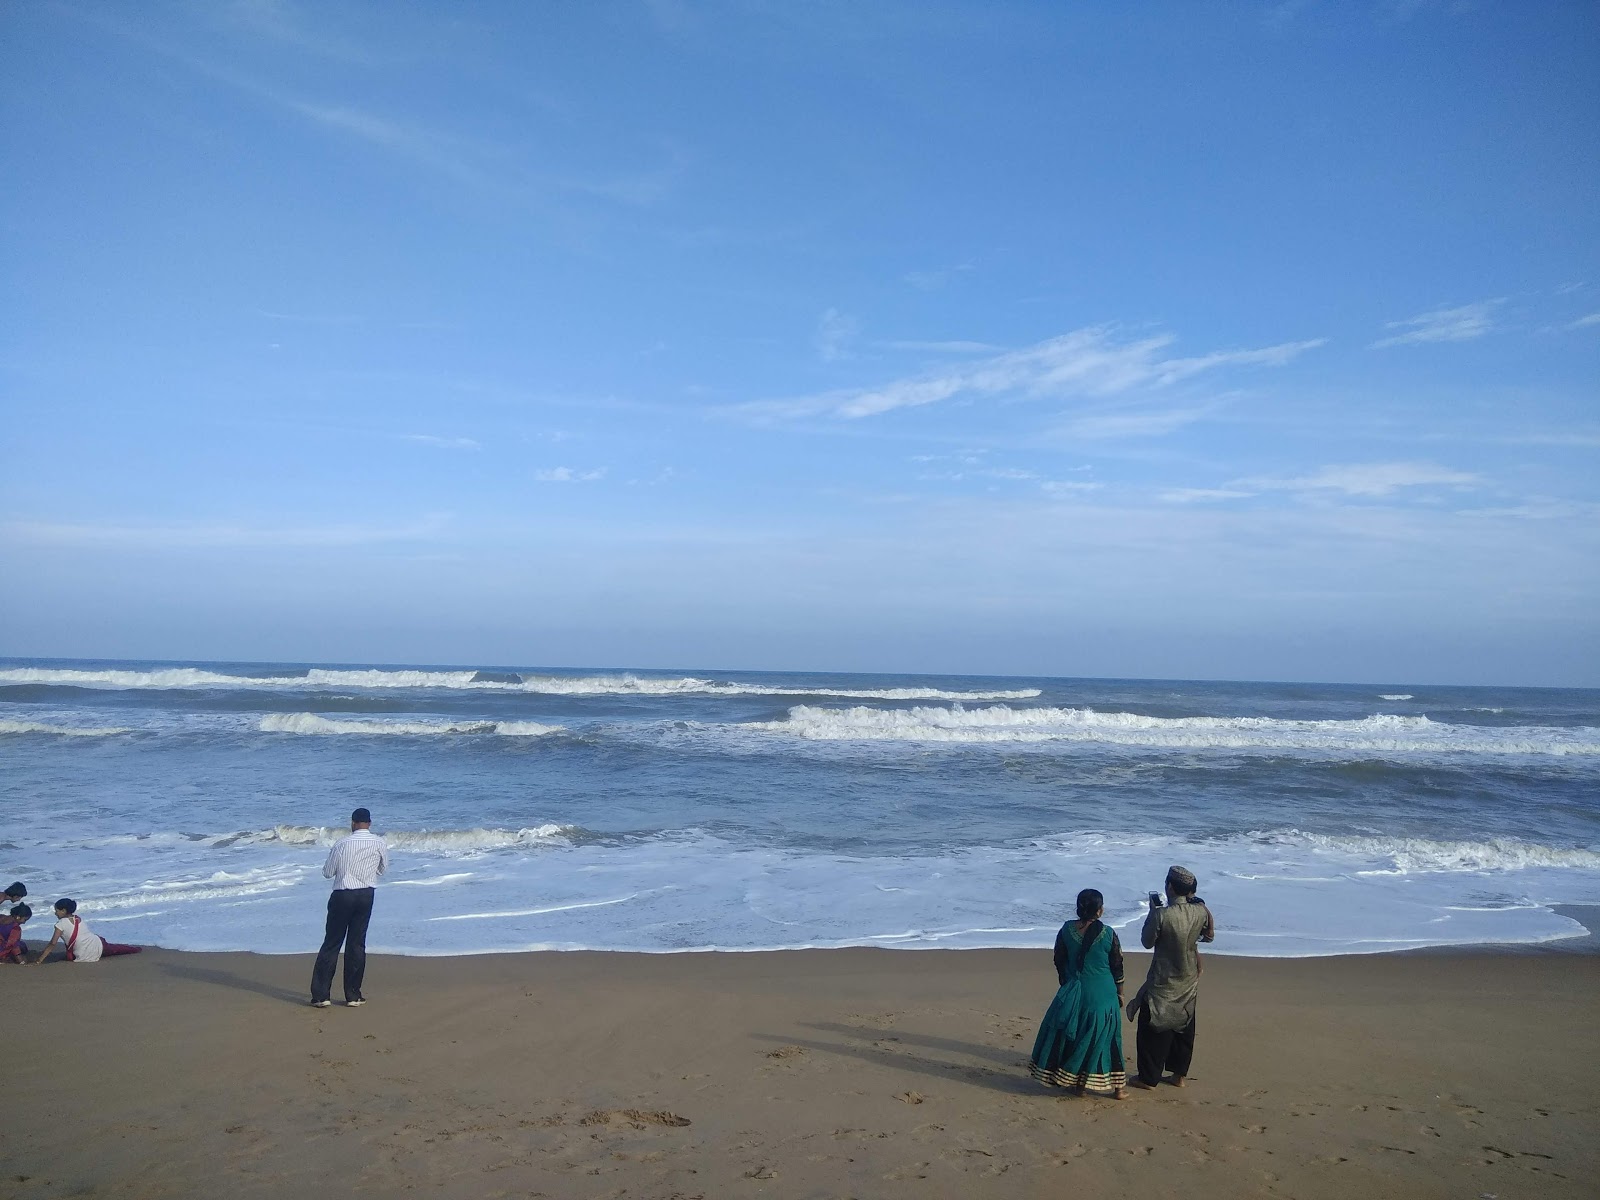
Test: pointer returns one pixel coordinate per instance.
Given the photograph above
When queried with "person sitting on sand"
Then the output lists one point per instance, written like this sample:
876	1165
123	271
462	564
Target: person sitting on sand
1080	1040
80	944
12	948
1165	1005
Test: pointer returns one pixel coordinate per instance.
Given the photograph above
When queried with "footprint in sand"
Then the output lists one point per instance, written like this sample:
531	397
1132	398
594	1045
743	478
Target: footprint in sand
637	1117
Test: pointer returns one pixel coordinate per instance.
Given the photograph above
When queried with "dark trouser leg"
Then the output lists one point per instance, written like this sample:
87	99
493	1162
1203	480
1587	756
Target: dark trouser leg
1154	1047
1181	1053
328	956
355	942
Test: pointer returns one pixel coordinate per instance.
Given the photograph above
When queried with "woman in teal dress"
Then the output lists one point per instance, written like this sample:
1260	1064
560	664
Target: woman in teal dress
1080	1040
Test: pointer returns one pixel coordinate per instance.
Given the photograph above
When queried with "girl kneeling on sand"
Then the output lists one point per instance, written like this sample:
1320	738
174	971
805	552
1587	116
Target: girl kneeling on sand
1080	1039
79	943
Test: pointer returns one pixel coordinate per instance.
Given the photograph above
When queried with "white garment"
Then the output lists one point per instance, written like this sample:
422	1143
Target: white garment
88	946
357	860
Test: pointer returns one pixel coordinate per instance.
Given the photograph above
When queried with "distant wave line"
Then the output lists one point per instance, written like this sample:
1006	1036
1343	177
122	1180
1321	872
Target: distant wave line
625	684
1001	723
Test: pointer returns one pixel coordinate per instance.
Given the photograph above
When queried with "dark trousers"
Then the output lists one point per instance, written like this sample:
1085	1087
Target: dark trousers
1163	1049
349	911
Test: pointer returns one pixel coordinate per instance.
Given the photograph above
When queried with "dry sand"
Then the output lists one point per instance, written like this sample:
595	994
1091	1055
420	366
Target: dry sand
860	1073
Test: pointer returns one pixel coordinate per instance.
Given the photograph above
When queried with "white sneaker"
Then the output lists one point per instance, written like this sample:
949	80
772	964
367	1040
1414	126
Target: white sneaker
322	1004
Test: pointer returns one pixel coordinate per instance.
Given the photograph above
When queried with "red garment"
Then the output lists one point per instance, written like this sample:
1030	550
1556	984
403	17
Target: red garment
12	947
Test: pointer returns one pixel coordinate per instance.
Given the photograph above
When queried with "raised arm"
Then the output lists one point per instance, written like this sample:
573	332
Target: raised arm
1151	927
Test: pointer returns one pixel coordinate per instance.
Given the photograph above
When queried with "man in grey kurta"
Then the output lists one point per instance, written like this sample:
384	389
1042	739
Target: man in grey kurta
1166	1002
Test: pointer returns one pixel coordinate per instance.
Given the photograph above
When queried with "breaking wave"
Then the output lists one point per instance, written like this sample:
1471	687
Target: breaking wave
310	723
1424	856
1001	723
8	726
425	841
1396	696
624	684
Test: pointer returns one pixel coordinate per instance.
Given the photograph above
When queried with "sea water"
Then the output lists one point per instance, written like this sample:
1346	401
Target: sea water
191	805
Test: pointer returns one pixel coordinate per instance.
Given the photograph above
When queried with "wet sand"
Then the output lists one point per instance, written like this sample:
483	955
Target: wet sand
819	1073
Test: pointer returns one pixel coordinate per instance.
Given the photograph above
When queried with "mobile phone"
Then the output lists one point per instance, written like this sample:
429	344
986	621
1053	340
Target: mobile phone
1155	899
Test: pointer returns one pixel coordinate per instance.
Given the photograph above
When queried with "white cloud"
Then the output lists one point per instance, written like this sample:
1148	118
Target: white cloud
193	535
1131	424
1069	487
1443	325
444	443
954	347
569	475
1586	322
1194	495
1366	479
929	281
835	332
1086	362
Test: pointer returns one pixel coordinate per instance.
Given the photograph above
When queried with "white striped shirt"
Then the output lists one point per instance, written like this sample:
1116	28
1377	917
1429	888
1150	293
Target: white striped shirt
356	861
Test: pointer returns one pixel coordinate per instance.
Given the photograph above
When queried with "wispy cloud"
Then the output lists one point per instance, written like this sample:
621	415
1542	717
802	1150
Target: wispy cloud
835	332
499	169
197	535
1364	479
1194	495
929	281
954	347
1131	424
444	443
1086	362
310	318
1443	325
569	475
1587	322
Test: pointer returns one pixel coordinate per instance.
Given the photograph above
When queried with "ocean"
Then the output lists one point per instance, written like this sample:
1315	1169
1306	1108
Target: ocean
190	805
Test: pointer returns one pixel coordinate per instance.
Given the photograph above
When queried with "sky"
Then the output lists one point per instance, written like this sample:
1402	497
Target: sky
1173	340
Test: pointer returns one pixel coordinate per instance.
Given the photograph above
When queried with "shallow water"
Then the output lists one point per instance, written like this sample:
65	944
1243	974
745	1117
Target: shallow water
189	805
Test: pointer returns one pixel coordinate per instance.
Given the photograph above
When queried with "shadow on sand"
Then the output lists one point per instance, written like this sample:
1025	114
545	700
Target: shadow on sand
1013	1081
237	982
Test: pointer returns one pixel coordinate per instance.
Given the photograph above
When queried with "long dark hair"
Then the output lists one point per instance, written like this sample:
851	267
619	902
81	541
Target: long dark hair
1090	902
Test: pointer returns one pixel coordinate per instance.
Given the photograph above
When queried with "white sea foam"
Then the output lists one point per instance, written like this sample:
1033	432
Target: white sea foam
422	841
1425	856
311	723
1396	696
1000	723
9	726
624	684
685	890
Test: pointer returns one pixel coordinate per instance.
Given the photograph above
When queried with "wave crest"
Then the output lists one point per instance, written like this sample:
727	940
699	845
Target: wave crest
432	841
8	726
624	684
1424	856
311	723
1001	723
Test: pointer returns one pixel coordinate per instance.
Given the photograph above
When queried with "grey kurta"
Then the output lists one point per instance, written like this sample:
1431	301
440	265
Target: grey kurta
1173	984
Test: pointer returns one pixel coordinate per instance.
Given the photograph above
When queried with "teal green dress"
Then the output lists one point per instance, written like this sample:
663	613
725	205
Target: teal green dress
1080	1040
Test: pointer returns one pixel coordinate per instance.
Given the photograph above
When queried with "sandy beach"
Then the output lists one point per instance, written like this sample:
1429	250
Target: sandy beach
846	1073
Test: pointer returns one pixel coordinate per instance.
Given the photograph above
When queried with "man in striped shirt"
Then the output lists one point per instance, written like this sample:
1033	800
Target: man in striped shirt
354	864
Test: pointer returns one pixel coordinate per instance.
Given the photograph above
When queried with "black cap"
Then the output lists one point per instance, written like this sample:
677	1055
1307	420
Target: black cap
17	890
361	817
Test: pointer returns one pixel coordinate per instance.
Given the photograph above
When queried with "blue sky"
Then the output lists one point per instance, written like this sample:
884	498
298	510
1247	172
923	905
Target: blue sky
1167	339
